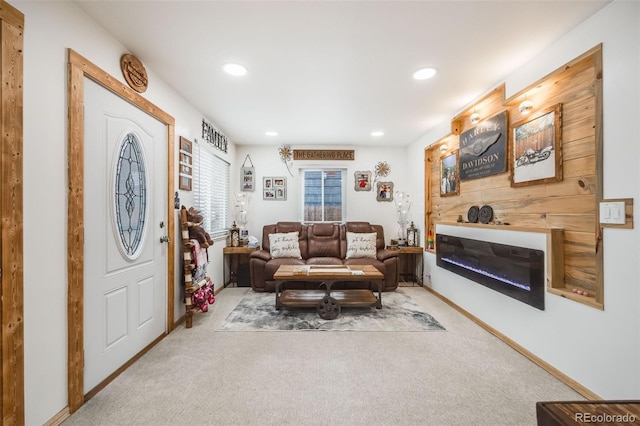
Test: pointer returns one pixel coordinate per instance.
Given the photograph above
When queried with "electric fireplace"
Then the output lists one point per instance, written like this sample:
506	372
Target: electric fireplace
517	272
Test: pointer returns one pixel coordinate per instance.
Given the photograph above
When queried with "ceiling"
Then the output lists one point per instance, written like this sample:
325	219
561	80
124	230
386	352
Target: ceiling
331	72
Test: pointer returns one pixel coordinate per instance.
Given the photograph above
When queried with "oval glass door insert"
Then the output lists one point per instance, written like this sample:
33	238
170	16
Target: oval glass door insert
130	195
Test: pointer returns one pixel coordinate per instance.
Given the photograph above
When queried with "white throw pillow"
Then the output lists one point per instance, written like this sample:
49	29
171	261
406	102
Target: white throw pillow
285	245
361	245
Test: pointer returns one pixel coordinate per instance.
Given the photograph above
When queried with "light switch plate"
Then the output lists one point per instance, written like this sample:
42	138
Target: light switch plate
612	212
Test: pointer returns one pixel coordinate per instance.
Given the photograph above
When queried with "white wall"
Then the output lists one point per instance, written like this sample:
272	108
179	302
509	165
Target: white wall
361	205
598	349
51	28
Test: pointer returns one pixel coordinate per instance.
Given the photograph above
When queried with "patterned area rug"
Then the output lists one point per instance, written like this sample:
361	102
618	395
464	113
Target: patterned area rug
257	312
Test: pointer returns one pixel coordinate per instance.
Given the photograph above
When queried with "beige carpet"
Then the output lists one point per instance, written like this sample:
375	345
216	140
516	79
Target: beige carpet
464	376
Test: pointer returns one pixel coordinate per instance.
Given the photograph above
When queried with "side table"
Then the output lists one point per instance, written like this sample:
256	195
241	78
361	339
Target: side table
410	263
232	259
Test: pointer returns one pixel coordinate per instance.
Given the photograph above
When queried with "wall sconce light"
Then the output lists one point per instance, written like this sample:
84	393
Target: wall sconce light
475	117
526	106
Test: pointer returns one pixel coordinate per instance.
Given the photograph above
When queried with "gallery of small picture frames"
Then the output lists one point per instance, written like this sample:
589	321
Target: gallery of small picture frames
247	176
274	188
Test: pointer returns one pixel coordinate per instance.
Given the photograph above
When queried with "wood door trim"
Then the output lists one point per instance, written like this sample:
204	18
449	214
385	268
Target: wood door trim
12	213
80	67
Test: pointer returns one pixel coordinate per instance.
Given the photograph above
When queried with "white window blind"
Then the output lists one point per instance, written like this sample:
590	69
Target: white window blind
211	190
323	195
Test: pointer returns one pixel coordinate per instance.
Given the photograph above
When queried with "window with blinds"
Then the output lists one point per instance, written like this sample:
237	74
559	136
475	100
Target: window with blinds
211	190
324	195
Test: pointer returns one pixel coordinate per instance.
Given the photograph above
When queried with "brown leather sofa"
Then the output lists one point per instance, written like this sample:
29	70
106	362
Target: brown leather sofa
322	244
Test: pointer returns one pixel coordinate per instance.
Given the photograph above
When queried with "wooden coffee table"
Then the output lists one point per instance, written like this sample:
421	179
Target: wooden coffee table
328	302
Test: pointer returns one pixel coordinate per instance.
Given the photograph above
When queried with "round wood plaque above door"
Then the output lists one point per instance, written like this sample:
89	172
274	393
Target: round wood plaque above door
134	73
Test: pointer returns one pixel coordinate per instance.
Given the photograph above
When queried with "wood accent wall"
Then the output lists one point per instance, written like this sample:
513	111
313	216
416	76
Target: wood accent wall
570	204
11	211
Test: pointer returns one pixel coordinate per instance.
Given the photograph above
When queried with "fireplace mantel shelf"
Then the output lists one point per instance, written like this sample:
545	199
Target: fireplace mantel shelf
502	227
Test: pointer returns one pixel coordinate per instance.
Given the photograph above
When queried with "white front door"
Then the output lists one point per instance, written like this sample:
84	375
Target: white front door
125	204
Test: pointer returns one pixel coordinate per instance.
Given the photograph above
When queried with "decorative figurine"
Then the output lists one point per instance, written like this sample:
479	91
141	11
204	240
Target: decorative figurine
430	240
176	201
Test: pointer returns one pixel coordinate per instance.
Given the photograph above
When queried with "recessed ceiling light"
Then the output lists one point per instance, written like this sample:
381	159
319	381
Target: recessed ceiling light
234	69
424	73
377	133
271	133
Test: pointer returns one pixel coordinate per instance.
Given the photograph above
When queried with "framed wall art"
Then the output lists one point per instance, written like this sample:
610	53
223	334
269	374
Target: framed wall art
274	188
483	149
537	148
384	191
449	179
185	174
362	181
247	176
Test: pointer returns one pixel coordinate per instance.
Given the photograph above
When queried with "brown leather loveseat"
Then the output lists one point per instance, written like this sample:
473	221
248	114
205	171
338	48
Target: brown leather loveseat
322	244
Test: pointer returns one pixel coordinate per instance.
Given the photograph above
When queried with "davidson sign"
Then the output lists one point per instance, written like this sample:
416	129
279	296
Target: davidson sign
483	149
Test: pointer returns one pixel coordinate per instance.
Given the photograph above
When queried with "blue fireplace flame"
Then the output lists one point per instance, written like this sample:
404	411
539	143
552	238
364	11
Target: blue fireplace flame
488	274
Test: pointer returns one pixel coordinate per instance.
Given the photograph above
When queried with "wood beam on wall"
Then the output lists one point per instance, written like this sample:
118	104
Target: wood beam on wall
11	212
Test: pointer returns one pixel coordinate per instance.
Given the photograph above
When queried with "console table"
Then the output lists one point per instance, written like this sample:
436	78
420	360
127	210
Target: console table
232	258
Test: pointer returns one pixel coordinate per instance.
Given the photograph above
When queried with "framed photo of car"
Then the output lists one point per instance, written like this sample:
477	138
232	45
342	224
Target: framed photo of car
537	148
